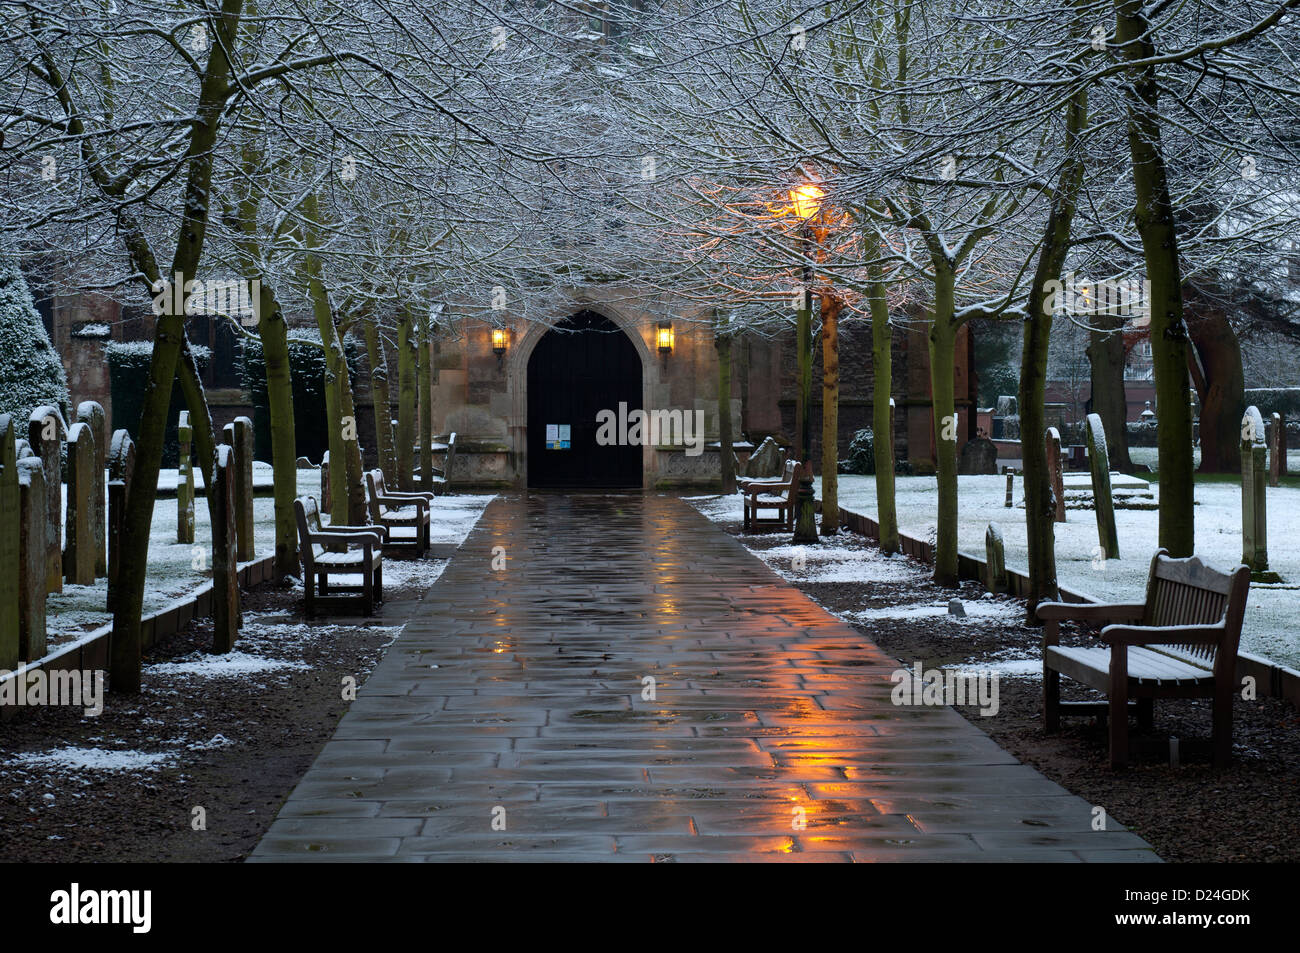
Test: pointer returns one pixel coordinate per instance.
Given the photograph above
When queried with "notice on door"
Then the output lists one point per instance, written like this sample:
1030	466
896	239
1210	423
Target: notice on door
559	437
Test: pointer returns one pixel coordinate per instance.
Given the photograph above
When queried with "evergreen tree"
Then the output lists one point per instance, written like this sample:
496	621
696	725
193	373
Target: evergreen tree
31	372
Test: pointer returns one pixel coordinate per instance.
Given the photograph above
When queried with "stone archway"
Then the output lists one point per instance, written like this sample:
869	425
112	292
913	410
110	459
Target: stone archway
633	328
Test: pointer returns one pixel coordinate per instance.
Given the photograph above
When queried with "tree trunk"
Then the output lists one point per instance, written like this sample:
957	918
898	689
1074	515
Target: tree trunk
406	402
382	399
722	342
1106	363
425	383
1153	213
830	308
943	357
274	334
169	333
1222	391
882	369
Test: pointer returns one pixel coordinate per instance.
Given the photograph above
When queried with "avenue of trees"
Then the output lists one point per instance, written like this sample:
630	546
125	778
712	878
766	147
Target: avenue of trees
385	168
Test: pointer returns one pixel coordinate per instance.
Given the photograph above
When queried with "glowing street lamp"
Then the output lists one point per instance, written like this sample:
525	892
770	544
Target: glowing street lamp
500	339
806	200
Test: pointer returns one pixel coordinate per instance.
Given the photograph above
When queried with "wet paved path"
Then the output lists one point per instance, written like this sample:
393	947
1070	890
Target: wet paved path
517	695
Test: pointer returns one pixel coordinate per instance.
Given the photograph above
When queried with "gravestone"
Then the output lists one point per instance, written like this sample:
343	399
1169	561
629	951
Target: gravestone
1281	445
10	580
91	414
79	534
767	460
325	495
1006	406
1277	438
32	554
995	552
225	575
243	445
1102	501
185	481
1011	487
1254	510
979	457
121	468
1056	470
45	434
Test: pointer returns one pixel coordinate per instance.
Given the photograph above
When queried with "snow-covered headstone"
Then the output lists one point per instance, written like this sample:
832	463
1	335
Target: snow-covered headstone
1277	437
1056	470
9	543
32	552
92	415
995	553
225	575
45	435
1103	503
243	445
79	532
185	481
121	468
1254	511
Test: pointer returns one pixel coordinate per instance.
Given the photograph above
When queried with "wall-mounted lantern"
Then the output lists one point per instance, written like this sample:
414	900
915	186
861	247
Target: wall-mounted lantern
664	340
500	340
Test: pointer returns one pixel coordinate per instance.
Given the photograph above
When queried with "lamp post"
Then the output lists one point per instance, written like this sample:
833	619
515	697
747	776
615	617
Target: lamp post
805	200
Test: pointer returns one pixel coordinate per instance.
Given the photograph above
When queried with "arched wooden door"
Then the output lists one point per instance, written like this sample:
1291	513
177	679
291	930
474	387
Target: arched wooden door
584	365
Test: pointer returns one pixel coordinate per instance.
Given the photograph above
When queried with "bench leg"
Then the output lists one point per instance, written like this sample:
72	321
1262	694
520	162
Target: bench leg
309	585
368	592
324	583
1051	700
379	583
1118	706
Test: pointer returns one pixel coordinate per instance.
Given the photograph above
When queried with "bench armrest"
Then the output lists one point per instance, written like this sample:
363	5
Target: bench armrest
412	499
345	534
1164	634
1091	611
755	489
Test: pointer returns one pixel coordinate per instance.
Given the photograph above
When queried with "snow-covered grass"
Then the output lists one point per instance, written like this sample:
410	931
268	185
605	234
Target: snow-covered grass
230	665
1269	629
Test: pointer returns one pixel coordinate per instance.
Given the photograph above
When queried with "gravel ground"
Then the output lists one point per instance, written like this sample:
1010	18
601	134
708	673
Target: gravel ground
1249	812
230	735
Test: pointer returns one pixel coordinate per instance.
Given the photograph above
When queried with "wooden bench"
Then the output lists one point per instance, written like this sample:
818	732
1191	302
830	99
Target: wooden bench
1180	643
399	511
319	562
744	482
772	496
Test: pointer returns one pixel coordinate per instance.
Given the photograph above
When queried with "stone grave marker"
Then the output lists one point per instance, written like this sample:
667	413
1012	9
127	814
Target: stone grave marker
995	553
185	481
121	468
1277	438
92	415
243	445
45	434
32	554
1102	501
10	582
1056	470
225	575
1254	509
79	534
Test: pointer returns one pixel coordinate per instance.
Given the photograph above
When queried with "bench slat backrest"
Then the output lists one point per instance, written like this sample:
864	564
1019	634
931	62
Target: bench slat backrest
1188	592
793	471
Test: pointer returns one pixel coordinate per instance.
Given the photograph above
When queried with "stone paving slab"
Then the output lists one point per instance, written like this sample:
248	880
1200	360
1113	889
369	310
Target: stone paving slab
518	697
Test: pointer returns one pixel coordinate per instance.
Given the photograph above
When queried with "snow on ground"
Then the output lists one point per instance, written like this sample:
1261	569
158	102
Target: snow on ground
232	664
70	759
826	562
1269	628
984	613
